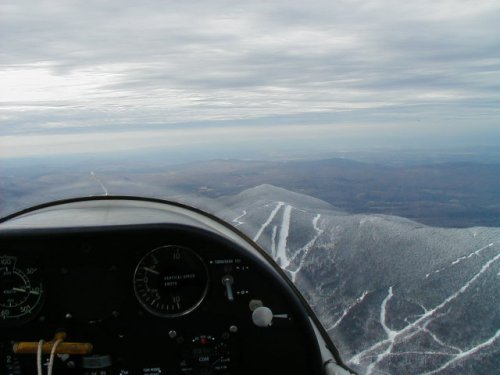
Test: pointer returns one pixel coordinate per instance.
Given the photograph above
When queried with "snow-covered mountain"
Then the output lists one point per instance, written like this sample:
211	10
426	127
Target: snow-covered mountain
396	296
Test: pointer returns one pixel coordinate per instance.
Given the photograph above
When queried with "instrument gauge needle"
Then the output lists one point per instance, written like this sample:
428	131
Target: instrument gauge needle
155	272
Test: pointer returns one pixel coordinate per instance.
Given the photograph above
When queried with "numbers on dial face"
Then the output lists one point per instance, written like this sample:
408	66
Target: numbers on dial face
21	291
171	281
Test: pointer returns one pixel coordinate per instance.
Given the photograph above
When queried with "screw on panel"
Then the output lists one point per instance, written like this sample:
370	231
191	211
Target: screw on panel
255	303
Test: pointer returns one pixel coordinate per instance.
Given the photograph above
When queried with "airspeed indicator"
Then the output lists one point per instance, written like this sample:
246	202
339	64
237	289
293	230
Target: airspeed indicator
170	281
21	292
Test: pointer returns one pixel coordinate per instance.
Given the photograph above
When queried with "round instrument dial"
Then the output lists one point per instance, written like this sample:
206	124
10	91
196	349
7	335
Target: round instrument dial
21	292
171	281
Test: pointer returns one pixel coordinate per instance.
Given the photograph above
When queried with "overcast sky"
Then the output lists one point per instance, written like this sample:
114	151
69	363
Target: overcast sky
86	76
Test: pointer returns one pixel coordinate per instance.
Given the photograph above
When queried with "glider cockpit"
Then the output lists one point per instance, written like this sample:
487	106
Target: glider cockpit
130	286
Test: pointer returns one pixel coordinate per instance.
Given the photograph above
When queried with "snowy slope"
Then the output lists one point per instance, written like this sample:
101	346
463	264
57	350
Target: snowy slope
396	296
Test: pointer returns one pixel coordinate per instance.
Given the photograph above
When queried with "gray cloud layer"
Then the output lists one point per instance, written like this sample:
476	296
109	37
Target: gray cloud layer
68	66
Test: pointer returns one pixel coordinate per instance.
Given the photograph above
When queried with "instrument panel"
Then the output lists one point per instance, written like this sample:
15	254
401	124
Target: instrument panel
148	300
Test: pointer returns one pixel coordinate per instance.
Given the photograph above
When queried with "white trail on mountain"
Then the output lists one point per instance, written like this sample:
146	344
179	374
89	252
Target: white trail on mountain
462	258
273	241
306	248
383	315
281	256
347	310
465	354
391	334
439	341
237	221
409	330
458	260
269	219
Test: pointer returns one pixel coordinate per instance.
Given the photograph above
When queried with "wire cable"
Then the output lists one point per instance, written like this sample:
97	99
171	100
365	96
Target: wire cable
52	355
39	357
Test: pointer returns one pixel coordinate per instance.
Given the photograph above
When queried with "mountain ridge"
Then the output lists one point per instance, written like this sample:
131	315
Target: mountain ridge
390	291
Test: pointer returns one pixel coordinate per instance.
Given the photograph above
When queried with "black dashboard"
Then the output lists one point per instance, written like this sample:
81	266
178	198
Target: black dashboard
128	296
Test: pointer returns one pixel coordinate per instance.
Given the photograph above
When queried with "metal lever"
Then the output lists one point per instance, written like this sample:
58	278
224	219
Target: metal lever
228	281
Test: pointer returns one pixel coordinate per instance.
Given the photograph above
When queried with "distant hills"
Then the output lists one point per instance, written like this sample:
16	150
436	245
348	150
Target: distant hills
396	296
451	194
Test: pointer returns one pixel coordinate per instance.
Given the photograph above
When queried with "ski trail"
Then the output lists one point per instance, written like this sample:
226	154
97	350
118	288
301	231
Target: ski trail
458	260
237	221
269	219
428	313
94	176
465	354
391	335
439	341
462	258
281	257
273	242
408	330
307	248
414	352
383	315
347	310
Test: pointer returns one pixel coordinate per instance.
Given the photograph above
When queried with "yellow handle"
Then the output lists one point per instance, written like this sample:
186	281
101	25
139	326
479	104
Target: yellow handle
71	348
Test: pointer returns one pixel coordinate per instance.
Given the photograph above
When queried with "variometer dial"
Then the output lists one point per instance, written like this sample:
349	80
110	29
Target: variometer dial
171	281
21	292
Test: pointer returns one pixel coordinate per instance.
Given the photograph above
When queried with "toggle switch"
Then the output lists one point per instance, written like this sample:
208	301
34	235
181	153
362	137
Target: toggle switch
228	281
